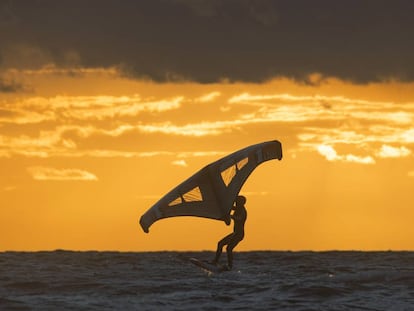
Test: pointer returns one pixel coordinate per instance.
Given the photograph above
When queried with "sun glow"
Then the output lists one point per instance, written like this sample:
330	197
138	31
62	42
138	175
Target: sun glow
95	158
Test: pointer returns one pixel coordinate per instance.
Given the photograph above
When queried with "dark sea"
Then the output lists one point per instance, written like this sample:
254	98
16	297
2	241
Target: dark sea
266	280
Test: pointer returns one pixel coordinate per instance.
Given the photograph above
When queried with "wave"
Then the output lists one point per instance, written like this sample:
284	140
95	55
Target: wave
265	280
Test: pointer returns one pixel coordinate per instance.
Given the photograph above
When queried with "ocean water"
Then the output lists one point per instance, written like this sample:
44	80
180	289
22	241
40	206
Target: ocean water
64	280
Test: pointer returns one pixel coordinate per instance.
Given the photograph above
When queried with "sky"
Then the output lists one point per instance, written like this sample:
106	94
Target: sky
105	106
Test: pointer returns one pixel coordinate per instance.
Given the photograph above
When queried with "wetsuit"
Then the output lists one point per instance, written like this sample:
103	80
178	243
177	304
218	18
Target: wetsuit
239	217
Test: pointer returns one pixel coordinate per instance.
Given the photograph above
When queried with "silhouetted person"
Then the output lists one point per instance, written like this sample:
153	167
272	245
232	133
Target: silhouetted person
239	217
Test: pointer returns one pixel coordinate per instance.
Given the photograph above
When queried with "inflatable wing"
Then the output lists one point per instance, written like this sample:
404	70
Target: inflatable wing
211	192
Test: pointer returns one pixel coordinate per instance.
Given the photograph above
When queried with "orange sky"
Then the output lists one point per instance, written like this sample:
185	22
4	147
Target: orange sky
84	156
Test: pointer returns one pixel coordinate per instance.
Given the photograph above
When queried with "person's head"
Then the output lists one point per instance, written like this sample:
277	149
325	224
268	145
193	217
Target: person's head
240	200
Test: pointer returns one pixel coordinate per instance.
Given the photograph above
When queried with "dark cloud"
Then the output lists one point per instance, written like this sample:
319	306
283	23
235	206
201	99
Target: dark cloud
212	40
7	86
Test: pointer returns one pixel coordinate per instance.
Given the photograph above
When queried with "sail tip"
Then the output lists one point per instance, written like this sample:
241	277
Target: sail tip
143	224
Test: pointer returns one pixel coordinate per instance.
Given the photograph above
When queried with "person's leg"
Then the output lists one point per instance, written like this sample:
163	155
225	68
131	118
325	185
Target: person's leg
220	246
229	251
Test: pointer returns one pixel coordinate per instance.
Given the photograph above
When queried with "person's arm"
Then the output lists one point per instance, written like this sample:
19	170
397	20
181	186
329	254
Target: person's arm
235	215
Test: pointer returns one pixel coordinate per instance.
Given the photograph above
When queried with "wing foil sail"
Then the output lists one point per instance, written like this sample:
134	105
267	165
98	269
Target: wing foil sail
210	192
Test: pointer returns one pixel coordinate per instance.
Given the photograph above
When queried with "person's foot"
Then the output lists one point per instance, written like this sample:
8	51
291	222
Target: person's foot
226	268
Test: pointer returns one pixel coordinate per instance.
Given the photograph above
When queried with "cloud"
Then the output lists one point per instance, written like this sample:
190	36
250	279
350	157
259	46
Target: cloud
328	152
74	126
11	86
393	152
105	107
357	159
208	97
62	141
194	130
43	145
52	69
182	163
331	155
286	107
21	54
40	109
49	173
212	41
358	135
21	116
367	139
257	109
